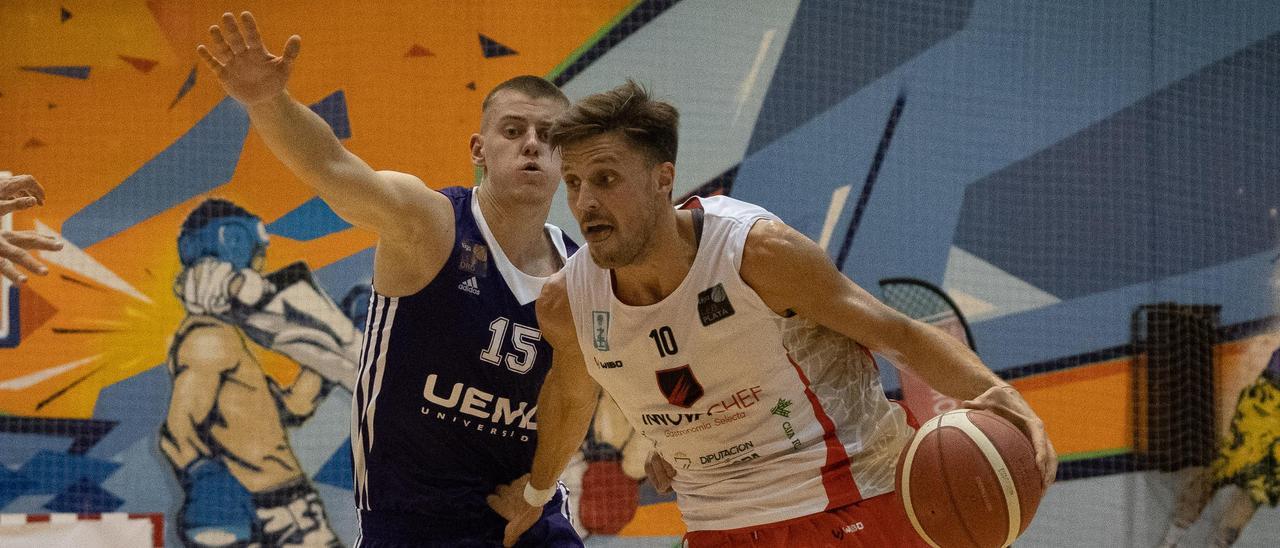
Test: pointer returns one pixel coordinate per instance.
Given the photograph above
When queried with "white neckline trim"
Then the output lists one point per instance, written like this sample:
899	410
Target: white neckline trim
525	287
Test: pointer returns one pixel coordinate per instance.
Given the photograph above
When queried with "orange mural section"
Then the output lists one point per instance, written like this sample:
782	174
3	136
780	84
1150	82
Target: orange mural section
412	74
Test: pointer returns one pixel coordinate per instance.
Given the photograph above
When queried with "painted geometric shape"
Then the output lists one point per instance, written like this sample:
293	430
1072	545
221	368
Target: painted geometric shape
202	159
64	14
639	15
471	86
34	142
72	258
1177	182
333	109
984	291
79	72
84	497
835	47
491	48
83	434
313	219
31	379
418	51
53	472
143	65
52	106
337	278
139	404
13	485
187	84
337	470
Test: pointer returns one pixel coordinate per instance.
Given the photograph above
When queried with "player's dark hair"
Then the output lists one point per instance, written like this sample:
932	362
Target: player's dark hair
628	109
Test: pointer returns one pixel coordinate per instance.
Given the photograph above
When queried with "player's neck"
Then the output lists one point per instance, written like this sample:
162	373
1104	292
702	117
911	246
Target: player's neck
663	267
517	226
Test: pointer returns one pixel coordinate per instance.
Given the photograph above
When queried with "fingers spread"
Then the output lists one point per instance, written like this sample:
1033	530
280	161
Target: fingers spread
23	259
28	239
291	49
21	185
214	64
7	270
17	204
234	38
251	37
220	48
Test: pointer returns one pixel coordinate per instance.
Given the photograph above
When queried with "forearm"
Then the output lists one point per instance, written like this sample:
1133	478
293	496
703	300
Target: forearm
305	143
563	420
943	362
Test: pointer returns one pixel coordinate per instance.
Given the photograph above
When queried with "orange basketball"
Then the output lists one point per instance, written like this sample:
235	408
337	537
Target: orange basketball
969	479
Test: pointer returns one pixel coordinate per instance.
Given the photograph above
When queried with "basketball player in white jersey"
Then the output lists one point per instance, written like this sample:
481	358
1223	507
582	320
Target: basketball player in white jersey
731	341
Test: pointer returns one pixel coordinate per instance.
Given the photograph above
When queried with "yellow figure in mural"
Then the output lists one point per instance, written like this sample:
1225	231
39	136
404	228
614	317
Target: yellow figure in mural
1248	463
225	433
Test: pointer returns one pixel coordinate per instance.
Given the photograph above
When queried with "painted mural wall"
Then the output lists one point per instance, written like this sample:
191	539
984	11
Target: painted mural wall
1051	167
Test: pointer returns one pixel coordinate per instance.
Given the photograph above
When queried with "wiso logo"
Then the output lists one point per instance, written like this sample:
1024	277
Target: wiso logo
471	407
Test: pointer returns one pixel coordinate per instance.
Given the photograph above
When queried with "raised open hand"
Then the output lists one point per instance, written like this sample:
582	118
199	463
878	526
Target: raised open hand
249	73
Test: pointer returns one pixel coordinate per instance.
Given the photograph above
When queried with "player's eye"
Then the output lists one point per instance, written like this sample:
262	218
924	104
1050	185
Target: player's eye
511	132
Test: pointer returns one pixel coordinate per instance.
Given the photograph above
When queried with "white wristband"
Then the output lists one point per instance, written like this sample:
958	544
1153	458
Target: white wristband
538	497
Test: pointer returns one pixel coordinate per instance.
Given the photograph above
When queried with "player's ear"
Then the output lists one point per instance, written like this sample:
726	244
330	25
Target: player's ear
477	150
666	174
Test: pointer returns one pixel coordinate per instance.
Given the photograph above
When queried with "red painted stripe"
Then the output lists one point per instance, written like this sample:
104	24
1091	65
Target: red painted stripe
837	479
37	518
157	529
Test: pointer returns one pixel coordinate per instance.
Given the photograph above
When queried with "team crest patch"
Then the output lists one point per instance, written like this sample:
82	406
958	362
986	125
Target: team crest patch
680	387
600	330
714	305
475	258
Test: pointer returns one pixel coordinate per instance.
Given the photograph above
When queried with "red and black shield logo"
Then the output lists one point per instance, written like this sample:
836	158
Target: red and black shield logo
680	386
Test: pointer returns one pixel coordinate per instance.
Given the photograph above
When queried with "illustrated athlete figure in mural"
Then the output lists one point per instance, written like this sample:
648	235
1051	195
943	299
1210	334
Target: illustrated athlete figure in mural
453	359
225	433
1248	463
732	341
17	193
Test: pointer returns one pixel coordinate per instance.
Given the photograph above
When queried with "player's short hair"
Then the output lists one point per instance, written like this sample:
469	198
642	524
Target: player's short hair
535	87
652	125
221	229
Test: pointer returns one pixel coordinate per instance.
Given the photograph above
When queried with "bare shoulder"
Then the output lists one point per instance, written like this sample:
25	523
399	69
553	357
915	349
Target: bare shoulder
410	255
770	239
774	257
773	247
420	202
555	314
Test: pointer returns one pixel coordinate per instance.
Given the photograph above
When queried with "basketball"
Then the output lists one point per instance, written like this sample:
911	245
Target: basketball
969	478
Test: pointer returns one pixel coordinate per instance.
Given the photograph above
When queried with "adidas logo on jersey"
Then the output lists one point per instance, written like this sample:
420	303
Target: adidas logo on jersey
470	286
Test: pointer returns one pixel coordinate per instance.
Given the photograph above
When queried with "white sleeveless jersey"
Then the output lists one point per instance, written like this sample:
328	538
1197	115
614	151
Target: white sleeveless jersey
764	418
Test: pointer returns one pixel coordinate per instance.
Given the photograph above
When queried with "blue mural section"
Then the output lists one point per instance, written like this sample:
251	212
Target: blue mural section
1179	181
199	161
836	47
79	72
308	221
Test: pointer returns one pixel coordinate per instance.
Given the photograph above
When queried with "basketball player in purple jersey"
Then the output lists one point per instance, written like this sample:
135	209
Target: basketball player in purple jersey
453	359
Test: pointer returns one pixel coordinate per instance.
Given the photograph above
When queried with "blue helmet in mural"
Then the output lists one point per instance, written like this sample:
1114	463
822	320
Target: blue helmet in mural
221	229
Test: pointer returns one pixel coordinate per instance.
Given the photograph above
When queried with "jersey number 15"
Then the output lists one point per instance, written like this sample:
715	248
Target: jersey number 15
522	336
